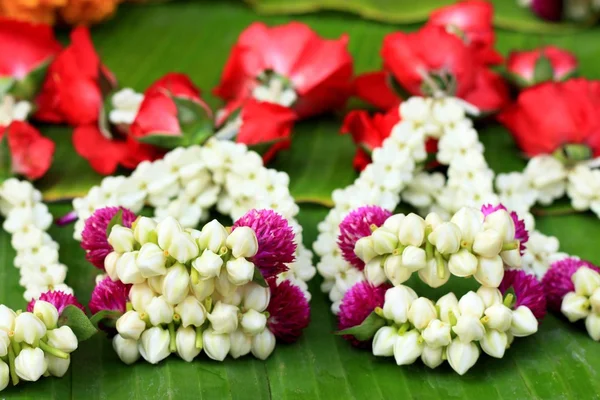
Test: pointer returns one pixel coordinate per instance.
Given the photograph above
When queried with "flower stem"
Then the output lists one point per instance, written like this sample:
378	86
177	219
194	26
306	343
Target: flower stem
428	245
16	347
379	311
172	341
199	343
129	306
441	268
508	300
11	363
403	328
53	350
512	245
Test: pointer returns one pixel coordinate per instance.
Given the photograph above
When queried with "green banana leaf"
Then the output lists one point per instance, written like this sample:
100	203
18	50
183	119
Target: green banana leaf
508	14
142	43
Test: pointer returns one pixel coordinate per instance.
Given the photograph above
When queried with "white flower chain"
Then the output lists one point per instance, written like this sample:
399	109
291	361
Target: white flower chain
395	169
187	182
584	302
544	180
451	329
27	220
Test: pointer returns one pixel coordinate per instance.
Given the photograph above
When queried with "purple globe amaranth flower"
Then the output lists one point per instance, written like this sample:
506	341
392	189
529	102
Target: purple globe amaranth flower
521	233
357	304
528	291
357	225
58	299
94	239
109	295
557	281
276	240
550	10
289	311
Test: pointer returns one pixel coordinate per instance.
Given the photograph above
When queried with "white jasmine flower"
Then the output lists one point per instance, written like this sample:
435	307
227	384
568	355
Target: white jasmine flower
130	325
185	340
384	340
422	311
524	322
263	344
575	306
241	344
408	347
191	311
462	356
126	349
28	328
30	364
154	345
126	103
223	318
397	303
494	343
586	281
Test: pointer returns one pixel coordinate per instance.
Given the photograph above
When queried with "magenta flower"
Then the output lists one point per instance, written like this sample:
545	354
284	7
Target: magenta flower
529	292
521	233
94	240
276	240
550	10
357	225
557	281
58	299
289	311
357	304
109	295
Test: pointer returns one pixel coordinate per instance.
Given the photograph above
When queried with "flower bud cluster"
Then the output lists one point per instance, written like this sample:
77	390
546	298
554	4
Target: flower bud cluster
191	291
32	345
450	329
27	220
584	302
189	181
467	245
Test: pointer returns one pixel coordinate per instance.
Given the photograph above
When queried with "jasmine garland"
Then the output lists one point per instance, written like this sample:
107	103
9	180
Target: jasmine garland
216	290
189	181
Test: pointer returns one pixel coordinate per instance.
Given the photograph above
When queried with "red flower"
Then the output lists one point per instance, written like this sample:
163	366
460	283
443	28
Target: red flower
30	152
548	116
428	62
158	113
471	21
368	132
105	155
548	63
72	92
432	60
319	71
25	47
374	88
267	124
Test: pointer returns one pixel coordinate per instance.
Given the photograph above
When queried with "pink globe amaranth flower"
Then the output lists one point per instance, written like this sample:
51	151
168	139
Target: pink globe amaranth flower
357	225
550	10
276	240
557	281
528	290
521	233
109	295
94	239
58	299
289	311
357	304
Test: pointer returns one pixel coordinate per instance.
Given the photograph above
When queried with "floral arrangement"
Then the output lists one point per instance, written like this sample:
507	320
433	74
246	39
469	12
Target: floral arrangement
179	282
170	290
